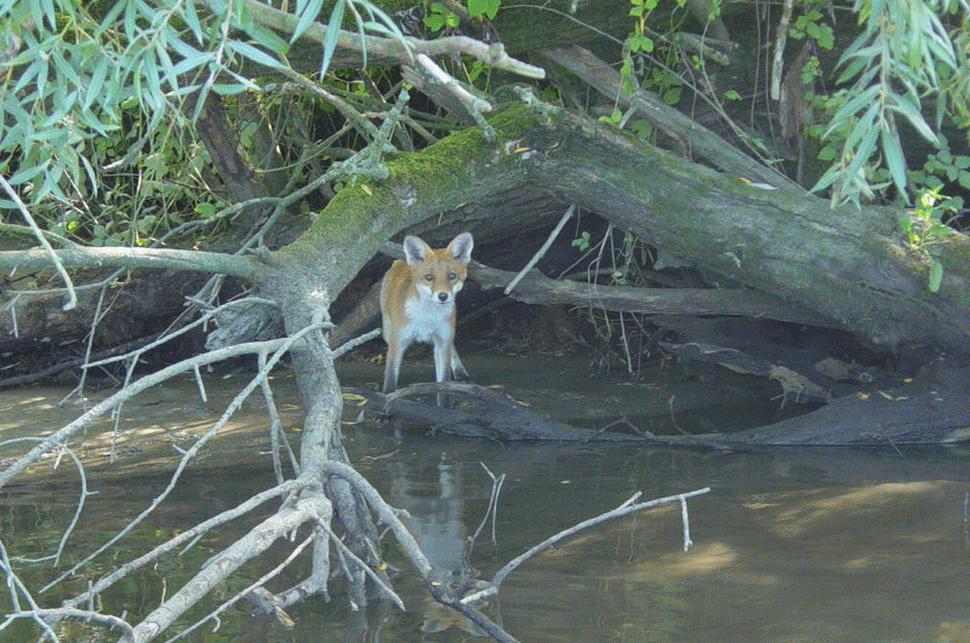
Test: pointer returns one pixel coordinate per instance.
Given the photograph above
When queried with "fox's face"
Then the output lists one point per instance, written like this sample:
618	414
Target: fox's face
438	275
438	280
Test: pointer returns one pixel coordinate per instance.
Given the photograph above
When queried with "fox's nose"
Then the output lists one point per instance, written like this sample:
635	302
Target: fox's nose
443	297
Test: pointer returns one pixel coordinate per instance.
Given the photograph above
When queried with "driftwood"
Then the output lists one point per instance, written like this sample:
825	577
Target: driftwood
933	409
483	413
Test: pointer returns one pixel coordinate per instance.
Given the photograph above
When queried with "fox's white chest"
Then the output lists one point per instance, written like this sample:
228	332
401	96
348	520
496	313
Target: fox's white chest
427	320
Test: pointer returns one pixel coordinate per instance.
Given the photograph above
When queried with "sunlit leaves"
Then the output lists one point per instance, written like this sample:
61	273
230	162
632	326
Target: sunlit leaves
73	76
333	30
487	8
897	58
810	24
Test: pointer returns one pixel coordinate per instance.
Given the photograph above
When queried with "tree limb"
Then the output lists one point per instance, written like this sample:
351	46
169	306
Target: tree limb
119	257
402	51
698	139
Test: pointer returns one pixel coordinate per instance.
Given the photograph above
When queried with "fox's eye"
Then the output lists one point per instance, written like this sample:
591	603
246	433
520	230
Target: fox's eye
452	276
429	277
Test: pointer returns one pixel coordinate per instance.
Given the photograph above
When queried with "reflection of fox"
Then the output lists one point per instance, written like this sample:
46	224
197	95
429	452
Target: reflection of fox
418	305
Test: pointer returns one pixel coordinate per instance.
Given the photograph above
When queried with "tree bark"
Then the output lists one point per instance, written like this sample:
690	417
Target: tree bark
849	265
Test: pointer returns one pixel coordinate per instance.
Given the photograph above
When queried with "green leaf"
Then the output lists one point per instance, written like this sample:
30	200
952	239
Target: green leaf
205	210
307	11
192	58
377	14
894	160
191	17
434	21
96	82
333	32
936	276
487	8
268	39
903	105
477	7
28	173
672	95
254	54
964	179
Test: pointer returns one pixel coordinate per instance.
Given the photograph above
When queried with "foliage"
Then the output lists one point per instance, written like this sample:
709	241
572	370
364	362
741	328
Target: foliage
904	51
925	227
649	58
440	16
99	99
811	24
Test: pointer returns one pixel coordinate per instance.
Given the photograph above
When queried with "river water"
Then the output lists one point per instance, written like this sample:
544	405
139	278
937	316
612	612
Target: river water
790	545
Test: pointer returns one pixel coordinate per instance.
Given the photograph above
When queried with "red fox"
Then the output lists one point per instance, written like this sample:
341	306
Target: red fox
418	305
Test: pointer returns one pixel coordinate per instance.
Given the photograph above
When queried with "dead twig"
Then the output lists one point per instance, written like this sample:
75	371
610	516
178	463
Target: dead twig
627	507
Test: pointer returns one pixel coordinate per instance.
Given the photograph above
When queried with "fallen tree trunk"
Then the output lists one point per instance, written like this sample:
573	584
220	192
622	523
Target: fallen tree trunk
850	267
933	409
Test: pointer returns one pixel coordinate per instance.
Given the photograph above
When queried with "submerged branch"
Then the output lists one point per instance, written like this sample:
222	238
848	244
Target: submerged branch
60	437
628	507
228	561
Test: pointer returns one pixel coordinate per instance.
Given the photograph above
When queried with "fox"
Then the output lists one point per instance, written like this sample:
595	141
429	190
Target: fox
418	305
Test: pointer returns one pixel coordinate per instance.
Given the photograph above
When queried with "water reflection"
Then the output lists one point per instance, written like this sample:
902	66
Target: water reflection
435	506
792	545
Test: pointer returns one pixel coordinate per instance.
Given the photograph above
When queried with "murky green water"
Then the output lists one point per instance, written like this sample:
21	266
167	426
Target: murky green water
790	546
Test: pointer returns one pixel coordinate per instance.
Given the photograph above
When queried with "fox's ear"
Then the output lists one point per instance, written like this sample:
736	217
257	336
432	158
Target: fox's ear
415	249
461	247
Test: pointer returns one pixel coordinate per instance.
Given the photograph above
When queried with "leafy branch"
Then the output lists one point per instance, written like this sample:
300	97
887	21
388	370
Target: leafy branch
891	64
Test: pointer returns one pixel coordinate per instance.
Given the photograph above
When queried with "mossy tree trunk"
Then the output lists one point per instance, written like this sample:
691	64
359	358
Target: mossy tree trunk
852	266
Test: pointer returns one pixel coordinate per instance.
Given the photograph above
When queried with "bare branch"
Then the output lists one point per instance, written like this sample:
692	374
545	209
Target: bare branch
56	439
400	50
55	557
48	252
228	561
541	251
187	536
79	256
254	586
626	508
191	452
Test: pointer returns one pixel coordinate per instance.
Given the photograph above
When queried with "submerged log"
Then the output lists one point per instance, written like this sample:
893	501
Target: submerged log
483	413
934	409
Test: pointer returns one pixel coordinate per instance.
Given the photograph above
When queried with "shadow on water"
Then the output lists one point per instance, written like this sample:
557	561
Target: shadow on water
791	545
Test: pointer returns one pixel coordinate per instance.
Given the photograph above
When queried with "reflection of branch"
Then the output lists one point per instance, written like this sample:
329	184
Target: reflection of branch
56	556
187	537
440	591
256	586
226	562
